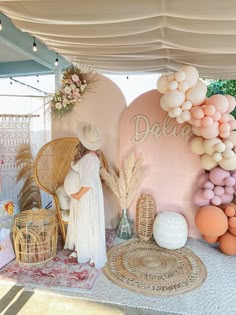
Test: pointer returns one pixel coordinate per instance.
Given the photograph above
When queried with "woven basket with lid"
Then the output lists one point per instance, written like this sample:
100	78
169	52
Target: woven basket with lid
145	212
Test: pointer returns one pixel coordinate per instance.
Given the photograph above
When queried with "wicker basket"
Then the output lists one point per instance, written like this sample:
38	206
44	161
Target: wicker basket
145	217
35	236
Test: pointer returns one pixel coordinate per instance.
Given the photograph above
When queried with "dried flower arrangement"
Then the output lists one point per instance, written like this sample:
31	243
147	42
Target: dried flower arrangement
9	208
70	92
29	195
125	184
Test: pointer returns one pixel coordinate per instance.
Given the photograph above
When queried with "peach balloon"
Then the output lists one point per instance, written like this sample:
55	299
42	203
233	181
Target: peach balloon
210	239
209	110
196	145
230	211
232	103
219	101
216	116
224	117
207	121
172	85
210	132
224	127
227	244
211	221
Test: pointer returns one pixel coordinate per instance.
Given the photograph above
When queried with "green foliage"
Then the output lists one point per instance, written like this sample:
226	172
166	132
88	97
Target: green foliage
222	87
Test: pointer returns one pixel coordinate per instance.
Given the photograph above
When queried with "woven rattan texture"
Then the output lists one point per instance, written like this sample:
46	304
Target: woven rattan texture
145	211
35	236
146	268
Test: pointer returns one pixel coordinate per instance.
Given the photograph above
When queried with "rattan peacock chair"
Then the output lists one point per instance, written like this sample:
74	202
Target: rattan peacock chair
51	166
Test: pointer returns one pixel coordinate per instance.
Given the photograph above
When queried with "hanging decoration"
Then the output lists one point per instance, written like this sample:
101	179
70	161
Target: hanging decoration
69	93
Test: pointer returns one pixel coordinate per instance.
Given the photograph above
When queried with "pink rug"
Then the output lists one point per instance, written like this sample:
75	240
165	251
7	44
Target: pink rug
60	273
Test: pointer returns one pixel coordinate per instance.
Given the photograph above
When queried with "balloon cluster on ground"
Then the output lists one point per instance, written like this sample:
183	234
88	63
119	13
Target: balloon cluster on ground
184	99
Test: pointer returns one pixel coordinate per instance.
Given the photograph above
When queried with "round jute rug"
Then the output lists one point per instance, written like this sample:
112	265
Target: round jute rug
146	268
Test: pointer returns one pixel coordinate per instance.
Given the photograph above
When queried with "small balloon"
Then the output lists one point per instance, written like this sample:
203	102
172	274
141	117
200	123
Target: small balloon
180	76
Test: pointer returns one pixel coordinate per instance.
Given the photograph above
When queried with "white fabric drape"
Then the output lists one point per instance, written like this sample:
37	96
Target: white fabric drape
136	35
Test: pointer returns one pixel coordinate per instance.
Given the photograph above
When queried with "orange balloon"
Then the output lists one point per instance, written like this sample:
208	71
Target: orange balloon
232	222
232	230
230	211
210	239
227	244
211	221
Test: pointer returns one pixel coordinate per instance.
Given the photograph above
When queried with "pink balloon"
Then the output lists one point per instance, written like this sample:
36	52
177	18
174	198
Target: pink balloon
216	200
219	190
232	103
203	178
227	198
220	101
197	122
209	110
207	121
229	190
217	175
229	181
199	200
208	194
208	185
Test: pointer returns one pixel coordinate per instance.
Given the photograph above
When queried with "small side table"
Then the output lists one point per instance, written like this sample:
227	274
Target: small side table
35	236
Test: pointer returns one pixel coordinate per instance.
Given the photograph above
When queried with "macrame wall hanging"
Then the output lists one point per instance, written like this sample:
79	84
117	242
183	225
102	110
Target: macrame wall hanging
14	131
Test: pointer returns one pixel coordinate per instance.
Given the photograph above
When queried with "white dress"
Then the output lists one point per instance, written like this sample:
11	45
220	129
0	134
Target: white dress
86	228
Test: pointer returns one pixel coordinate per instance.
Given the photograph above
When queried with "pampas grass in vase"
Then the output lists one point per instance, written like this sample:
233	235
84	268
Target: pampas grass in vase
124	184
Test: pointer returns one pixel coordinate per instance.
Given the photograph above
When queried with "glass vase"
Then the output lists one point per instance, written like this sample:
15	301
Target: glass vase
124	229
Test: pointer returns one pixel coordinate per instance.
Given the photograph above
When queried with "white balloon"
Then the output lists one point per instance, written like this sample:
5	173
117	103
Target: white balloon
196	145
186	116
163	104
174	98
228	154
217	156
179	120
228	144
177	111
171	77
192	75
171	113
162	84
207	162
197	94
220	147
180	76
183	86
187	105
172	85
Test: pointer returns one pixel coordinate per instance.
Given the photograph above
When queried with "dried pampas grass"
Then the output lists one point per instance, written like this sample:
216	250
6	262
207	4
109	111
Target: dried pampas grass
124	184
29	195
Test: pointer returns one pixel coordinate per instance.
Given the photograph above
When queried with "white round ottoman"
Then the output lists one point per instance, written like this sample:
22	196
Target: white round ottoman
170	230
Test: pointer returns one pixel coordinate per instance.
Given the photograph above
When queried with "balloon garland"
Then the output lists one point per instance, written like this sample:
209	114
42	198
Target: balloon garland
184	99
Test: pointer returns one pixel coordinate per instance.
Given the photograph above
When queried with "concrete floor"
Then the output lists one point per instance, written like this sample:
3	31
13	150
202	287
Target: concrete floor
15	300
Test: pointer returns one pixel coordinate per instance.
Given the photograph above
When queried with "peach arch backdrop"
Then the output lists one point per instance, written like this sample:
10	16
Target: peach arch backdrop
172	169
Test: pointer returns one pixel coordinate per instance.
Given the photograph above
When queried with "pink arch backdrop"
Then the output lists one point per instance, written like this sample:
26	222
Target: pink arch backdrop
172	169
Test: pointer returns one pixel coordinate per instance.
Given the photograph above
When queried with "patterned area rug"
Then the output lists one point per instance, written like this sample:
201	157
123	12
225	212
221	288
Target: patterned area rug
60	273
146	268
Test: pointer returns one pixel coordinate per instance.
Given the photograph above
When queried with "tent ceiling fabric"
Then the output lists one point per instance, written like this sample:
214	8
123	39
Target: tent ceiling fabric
134	36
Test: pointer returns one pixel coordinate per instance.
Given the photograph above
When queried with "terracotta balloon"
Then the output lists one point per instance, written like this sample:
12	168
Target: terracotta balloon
227	244
232	230
232	222
211	221
210	239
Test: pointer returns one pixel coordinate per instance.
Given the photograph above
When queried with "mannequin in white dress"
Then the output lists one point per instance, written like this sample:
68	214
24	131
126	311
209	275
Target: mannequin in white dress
86	228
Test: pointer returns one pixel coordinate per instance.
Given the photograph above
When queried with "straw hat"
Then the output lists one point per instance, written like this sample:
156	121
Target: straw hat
89	136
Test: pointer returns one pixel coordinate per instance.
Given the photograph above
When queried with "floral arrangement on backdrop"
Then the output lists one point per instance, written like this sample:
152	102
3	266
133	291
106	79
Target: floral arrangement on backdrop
70	92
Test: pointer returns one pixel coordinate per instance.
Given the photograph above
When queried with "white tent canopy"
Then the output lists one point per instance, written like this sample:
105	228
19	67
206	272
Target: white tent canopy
134	36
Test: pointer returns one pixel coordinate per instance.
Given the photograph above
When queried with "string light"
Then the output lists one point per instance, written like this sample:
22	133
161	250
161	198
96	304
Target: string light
34	45
0	25
56	61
